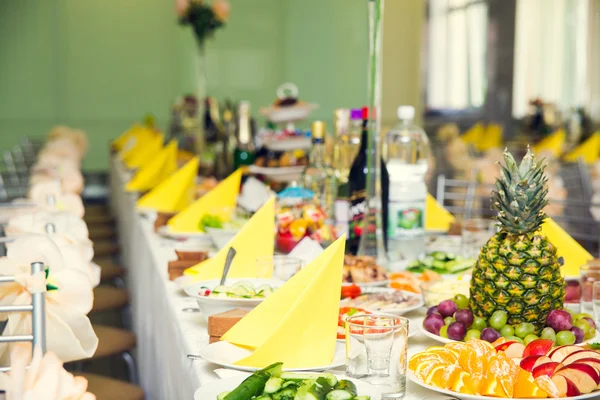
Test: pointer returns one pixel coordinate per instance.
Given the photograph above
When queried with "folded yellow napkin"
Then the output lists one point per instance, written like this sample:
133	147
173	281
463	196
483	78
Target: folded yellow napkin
588	150
223	195
174	193
552	144
297	324
145	154
156	170
491	138
120	142
256	239
437	218
135	141
573	253
474	134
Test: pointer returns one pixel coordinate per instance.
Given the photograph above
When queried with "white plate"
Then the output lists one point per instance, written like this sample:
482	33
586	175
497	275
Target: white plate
461	396
279	174
199	237
221	237
226	354
373	290
211	390
368	284
446	340
216	305
287	144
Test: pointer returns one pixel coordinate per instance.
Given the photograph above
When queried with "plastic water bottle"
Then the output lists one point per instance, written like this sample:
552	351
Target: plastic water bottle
406	152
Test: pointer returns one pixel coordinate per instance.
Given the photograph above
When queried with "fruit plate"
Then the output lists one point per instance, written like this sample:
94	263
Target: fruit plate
418	301
226	354
211	390
462	396
446	340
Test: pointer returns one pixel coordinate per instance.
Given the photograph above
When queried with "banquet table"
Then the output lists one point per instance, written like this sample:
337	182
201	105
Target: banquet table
165	333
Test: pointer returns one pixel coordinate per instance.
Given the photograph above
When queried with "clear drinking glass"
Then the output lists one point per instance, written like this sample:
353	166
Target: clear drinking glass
588	274
596	302
283	267
376	352
475	234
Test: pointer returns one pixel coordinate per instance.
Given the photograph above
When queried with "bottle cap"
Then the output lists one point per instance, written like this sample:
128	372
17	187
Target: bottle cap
318	130
406	113
356	113
244	107
366	113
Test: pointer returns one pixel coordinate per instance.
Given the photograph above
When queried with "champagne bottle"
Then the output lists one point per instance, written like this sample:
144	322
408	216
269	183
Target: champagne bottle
244	150
357	188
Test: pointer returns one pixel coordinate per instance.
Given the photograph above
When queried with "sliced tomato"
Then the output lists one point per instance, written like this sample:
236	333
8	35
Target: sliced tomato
351	291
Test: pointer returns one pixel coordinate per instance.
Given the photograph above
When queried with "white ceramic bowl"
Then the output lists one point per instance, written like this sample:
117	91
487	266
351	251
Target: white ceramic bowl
221	237
216	305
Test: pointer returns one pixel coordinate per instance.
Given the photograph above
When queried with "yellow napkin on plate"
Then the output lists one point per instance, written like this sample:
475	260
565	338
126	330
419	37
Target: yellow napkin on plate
223	195
572	252
297	324
474	134
588	150
437	218
255	239
552	144
145	153
491	138
132	133
174	193
155	171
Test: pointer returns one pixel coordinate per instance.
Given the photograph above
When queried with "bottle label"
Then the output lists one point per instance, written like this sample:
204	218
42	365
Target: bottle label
342	212
358	204
406	218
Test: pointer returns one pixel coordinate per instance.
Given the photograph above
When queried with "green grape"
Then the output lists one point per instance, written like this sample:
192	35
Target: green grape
507	331
498	319
530	338
549	334
565	337
449	320
444	331
516	339
524	329
591	334
472	334
577	317
478	324
583	325
462	301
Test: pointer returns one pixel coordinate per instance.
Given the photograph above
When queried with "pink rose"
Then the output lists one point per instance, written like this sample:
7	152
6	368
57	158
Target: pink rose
221	9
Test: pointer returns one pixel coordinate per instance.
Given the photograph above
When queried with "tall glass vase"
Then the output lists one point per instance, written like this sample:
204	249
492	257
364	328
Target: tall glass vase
372	241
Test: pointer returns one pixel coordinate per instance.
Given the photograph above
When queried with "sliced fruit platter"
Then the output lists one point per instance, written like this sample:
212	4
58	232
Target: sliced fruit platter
271	383
508	369
442	263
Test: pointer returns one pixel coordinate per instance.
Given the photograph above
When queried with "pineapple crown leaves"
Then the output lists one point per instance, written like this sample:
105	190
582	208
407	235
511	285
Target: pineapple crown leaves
521	194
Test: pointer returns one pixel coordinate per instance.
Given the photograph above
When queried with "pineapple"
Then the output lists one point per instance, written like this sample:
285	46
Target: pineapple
517	270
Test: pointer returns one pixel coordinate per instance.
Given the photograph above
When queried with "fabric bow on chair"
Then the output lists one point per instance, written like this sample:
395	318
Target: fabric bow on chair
69	299
46	379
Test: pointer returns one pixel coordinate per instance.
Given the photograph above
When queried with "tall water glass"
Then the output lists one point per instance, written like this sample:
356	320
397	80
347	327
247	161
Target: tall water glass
376	352
283	267
596	302
588	273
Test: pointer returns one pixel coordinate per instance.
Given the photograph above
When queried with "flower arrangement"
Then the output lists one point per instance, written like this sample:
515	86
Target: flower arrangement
204	19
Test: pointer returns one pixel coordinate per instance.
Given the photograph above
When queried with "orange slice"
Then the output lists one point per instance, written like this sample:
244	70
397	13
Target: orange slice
422	358
492	387
545	383
423	370
505	371
525	386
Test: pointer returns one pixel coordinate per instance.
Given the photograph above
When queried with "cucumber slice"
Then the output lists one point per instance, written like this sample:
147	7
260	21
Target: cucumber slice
263	397
220	289
331	379
427	261
439	255
285	394
221	396
347	386
450	256
439	264
273	385
241	291
339	395
362	398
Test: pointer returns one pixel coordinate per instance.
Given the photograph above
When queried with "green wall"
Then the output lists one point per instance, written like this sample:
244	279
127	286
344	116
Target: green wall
101	64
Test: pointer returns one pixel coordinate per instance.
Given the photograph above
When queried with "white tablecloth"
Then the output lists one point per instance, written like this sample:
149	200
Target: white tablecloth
165	333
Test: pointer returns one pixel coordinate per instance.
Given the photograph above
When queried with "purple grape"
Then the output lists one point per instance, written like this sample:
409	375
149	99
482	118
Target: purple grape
447	308
432	310
590	321
456	331
489	334
559	320
465	317
578	332
433	323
